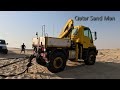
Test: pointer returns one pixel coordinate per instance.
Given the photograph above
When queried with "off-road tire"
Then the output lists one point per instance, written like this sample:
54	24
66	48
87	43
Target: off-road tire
91	59
57	62
5	51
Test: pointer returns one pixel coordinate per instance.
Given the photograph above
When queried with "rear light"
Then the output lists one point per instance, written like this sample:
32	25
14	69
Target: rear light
43	49
44	54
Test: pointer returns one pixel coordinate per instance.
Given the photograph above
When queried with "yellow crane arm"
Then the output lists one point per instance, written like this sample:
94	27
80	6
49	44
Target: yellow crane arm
67	29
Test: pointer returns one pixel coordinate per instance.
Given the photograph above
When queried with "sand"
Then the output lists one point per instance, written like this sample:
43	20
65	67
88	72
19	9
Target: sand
107	66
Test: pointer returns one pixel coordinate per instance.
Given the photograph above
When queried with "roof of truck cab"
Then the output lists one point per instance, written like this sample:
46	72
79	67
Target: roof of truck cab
81	26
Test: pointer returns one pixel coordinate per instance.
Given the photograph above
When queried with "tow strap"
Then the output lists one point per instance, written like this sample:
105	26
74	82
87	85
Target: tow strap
28	65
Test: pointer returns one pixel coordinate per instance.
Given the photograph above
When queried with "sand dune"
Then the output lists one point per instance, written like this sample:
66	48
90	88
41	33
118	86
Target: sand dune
107	66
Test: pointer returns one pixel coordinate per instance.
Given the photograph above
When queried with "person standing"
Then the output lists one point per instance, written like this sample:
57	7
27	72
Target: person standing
23	48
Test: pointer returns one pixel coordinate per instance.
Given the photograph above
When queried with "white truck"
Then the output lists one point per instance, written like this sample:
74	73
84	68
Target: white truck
3	46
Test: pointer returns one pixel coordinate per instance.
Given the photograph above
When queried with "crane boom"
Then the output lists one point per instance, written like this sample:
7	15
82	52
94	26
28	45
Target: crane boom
67	29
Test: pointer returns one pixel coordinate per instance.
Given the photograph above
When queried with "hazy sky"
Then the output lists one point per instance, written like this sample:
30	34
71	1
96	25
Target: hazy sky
18	27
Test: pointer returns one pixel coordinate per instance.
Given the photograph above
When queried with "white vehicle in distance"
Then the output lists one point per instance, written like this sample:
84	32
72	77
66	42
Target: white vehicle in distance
3	46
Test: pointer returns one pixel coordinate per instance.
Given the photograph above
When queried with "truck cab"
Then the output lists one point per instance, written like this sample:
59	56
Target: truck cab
81	37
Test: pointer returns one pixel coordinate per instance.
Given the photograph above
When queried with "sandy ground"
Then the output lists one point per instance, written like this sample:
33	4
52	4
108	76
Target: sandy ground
107	66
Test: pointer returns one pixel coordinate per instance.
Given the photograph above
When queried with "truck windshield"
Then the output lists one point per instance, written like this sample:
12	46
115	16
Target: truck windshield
74	31
2	41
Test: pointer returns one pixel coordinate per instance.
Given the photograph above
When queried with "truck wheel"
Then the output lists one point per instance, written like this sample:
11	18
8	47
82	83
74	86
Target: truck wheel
40	61
5	51
57	62
0	49
91	58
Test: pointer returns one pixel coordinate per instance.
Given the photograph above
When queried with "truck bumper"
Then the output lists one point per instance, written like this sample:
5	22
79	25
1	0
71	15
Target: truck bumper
4	51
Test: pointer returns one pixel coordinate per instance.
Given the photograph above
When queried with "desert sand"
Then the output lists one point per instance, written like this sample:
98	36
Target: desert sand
107	66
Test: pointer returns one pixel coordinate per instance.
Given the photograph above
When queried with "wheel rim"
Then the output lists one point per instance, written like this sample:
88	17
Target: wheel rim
58	62
91	58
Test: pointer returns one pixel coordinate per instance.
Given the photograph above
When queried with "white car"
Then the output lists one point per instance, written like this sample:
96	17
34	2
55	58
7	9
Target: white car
3	46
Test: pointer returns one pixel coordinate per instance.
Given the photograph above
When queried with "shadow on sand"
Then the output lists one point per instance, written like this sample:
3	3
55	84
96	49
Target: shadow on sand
100	70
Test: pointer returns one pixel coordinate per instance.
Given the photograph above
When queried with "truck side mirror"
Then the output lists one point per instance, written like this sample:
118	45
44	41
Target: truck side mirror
6	43
95	35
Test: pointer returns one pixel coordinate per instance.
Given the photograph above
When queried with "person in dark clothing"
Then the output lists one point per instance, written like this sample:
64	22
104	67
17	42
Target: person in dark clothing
23	48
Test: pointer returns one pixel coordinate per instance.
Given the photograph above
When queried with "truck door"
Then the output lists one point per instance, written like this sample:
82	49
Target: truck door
87	38
67	29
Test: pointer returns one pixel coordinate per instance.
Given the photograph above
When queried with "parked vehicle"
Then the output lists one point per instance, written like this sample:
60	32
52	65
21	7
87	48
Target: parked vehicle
3	46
